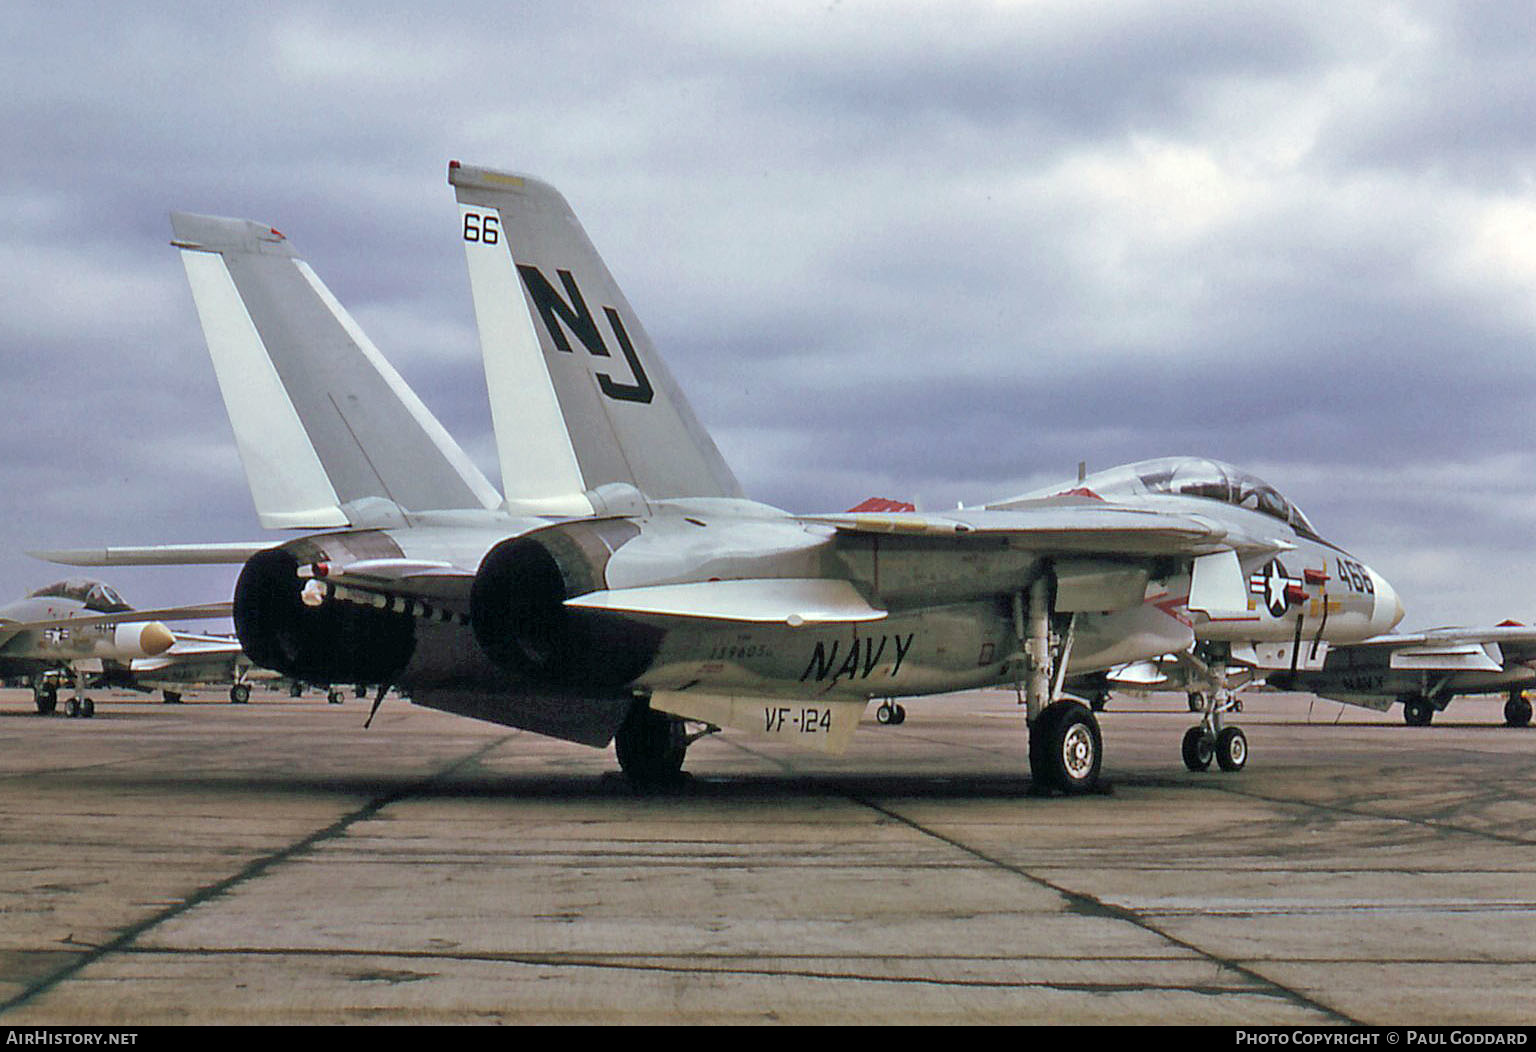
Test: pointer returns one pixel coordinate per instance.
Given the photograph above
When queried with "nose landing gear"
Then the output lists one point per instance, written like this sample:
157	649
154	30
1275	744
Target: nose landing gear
1211	740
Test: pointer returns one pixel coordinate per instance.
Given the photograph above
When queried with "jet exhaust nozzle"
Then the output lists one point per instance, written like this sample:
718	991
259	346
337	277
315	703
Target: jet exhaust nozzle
520	620
328	643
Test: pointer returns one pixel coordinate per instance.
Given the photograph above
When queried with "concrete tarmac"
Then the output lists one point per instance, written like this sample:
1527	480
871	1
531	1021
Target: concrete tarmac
277	863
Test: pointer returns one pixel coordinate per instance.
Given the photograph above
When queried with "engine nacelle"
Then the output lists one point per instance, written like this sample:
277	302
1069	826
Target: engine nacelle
332	643
517	608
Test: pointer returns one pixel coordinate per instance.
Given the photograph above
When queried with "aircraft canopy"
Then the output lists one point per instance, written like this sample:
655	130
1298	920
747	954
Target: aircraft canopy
1198	477
92	594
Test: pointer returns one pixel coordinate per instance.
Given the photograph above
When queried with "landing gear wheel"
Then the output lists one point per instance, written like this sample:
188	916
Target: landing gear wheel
87	708
1198	749
335	697
1231	749
891	714
46	701
72	708
171	697
1418	711
651	747
1517	711
1066	749
240	693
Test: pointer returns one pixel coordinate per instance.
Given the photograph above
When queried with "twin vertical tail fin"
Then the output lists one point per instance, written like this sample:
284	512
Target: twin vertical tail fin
579	398
328	432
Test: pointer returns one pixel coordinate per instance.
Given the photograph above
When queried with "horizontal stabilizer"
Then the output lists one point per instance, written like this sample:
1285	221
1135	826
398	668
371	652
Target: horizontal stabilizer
155	554
787	601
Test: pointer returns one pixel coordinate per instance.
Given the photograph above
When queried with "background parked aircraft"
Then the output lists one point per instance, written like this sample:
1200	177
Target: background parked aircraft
1423	671
81	632
196	660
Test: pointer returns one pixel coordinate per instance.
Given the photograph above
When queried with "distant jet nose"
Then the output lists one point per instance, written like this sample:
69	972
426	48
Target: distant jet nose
132	639
1388	610
155	639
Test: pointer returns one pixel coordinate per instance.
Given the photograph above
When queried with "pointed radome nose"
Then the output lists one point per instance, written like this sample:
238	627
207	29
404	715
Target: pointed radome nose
1388	610
155	639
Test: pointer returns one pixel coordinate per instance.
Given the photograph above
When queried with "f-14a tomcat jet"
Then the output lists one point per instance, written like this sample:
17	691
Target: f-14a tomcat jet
82	630
623	589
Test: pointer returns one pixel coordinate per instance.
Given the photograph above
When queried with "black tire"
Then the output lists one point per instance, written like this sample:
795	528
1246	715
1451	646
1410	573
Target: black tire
46	701
171	697
334	697
1198	749
1066	749
87	708
901	715
1517	711
651	747
72	708
239	693
1231	749
1418	711
885	715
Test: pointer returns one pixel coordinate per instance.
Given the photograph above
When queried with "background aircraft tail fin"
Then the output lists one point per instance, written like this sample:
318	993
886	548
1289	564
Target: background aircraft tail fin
579	397
328	432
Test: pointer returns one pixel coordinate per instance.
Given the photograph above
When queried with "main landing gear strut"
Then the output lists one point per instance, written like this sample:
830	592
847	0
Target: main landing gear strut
651	746
1066	749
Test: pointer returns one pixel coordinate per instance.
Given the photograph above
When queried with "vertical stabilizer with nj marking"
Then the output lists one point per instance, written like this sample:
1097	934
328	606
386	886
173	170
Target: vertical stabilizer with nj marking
328	432
579	397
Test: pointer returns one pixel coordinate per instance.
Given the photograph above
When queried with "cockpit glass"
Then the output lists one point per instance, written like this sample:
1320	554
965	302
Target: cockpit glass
102	597
1198	477
92	594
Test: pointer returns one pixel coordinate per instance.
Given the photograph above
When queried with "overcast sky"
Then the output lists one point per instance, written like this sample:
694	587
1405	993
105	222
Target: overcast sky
938	252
